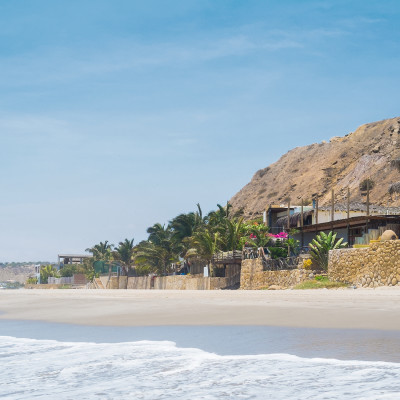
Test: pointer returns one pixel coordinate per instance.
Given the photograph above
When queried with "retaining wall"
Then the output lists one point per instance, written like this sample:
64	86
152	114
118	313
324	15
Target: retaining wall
254	277
180	282
373	266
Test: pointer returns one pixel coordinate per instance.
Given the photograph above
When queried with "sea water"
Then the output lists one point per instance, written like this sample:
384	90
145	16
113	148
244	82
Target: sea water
162	369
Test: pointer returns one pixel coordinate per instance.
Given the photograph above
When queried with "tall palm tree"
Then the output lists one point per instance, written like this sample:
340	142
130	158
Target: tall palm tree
102	252
218	217
183	227
124	254
206	244
231	233
159	250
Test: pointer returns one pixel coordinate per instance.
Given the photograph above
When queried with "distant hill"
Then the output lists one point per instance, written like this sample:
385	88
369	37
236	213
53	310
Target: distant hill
16	272
372	151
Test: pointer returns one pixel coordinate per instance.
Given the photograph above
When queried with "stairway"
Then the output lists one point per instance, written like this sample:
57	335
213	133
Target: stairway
98	284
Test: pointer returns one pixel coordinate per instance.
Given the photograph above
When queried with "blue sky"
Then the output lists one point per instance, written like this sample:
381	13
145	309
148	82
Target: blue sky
118	114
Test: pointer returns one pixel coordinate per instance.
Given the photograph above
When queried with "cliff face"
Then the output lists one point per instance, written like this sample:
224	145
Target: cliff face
343	162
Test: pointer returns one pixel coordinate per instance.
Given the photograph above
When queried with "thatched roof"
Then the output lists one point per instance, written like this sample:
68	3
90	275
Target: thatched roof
294	219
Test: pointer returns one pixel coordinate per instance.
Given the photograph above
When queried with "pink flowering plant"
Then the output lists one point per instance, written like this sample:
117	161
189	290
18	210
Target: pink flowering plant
256	235
280	235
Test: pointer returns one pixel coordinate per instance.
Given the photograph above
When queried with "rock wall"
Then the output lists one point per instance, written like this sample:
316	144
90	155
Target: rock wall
139	282
376	265
254	277
179	282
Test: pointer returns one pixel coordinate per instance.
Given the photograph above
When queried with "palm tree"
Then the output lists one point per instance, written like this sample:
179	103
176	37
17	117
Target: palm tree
217	218
102	252
183	227
206	244
46	271
231	233
124	254
159	250
157	257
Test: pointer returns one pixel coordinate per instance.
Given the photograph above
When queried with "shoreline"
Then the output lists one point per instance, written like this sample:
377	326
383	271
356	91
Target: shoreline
376	309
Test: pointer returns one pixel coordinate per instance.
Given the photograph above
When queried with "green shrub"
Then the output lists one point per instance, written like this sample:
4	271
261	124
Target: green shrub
278	252
364	184
320	246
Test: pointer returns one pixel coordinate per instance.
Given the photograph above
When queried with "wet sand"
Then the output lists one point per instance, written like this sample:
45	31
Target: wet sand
340	309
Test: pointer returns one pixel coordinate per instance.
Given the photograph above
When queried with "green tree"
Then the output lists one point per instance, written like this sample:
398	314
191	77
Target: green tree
232	232
205	244
183	227
124	254
102	252
158	251
320	246
47	271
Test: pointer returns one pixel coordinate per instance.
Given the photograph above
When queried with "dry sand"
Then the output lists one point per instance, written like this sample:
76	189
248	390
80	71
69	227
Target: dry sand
359	308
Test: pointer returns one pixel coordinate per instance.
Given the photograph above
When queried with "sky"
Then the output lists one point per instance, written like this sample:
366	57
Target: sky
118	114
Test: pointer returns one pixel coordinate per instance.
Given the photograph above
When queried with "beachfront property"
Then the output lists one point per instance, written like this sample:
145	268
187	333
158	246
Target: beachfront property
356	223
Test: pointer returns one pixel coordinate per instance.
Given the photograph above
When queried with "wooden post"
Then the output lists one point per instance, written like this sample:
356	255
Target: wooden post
302	222
316	211
368	197
302	213
348	214
288	215
333	206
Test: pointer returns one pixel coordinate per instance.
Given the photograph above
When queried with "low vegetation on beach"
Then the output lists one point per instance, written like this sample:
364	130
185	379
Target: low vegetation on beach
320	282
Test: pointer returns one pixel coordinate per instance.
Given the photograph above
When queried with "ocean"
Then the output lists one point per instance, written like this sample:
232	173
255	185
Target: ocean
60	361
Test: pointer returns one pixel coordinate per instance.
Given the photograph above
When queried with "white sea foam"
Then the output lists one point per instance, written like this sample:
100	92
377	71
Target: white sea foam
160	370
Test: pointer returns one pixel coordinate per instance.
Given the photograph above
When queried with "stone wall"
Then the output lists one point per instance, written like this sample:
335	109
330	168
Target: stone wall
253	276
373	266
179	282
139	282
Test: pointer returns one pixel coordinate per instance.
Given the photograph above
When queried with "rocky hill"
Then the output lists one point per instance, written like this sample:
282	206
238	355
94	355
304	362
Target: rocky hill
16	273
370	152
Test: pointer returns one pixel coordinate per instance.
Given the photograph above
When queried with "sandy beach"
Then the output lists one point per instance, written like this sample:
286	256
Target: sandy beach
352	309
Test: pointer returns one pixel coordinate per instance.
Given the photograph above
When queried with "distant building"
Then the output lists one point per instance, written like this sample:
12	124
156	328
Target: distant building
67	259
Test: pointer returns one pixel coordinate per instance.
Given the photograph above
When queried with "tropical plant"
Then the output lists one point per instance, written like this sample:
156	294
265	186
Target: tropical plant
159	251
231	233
256	235
154	258
278	252
124	254
293	246
183	227
320	246
102	252
204	245
47	271
68	270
